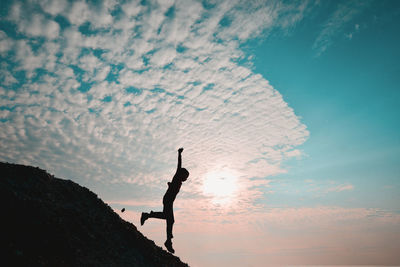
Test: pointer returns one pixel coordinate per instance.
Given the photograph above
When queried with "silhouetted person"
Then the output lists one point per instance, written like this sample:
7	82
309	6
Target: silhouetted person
168	200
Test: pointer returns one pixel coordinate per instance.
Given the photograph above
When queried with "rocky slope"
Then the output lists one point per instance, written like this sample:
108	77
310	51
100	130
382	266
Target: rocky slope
53	222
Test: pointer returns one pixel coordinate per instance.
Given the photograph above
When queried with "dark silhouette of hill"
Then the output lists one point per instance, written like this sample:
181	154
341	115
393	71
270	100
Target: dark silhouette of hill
48	221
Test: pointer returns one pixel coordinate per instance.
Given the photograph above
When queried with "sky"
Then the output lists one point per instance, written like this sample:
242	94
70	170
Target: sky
288	112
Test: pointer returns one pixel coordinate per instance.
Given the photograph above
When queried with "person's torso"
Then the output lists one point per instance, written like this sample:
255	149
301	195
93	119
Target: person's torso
173	189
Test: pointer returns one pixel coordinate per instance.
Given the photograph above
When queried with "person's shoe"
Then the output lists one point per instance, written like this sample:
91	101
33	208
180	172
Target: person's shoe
143	218
168	245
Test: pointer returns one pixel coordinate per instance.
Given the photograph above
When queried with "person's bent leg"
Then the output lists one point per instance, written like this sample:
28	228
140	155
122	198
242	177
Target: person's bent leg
157	214
152	214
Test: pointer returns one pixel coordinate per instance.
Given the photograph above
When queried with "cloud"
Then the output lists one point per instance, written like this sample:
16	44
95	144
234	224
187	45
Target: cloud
354	31
5	42
323	187
53	7
112	94
336	23
342	187
33	24
163	57
6	78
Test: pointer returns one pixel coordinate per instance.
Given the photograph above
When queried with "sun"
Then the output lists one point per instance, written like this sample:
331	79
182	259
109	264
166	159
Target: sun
221	186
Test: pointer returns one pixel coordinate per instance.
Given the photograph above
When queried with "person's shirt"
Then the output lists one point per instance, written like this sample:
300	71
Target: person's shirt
173	187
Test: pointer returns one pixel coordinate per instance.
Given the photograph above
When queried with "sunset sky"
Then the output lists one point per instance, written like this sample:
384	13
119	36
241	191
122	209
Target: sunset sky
289	113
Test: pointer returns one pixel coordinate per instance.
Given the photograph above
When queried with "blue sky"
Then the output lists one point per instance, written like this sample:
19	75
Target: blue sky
287	110
348	97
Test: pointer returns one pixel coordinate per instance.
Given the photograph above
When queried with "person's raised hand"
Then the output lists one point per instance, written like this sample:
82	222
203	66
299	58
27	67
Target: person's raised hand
180	150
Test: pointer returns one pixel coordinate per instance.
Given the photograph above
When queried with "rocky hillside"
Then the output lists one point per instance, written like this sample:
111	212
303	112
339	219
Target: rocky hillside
48	221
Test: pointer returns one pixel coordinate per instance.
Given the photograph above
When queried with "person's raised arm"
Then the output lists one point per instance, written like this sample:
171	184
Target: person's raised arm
179	159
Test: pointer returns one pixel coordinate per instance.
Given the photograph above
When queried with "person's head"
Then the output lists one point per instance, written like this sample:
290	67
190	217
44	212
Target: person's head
183	174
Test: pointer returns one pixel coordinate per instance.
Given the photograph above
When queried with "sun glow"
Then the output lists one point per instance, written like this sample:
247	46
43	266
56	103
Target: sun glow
221	186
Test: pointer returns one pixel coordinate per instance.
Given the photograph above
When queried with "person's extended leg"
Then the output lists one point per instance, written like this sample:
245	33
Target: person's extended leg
168	211
170	223
168	242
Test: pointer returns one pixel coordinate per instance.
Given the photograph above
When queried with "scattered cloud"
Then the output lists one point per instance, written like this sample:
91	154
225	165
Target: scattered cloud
109	91
5	42
323	187
6	77
352	32
342	187
336	23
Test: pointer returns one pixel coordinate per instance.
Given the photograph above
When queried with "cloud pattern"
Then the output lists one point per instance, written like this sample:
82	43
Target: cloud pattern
108	92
